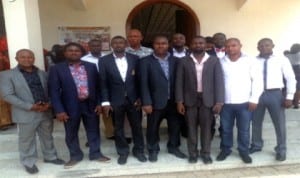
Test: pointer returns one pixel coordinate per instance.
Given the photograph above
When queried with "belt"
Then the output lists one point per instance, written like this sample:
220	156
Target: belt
273	89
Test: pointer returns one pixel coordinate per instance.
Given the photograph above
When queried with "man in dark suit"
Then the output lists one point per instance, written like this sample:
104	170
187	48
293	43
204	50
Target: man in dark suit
199	94
119	92
157	95
74	93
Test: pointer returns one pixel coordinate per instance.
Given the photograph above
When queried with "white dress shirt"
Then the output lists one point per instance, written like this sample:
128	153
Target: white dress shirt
92	59
179	54
122	66
279	68
243	83
199	70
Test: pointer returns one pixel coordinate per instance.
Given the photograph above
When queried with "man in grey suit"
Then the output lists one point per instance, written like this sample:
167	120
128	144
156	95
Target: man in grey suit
199	93
25	88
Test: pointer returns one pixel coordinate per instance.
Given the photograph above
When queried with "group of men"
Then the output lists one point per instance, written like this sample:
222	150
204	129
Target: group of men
185	86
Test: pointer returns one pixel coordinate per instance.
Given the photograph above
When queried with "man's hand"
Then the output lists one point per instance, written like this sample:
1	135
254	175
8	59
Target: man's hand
106	110
98	109
287	103
137	104
252	106
180	108
217	108
148	109
62	117
36	107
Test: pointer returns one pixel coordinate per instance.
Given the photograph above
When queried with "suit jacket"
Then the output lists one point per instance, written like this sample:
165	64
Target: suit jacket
15	90
113	88
212	82
63	91
154	84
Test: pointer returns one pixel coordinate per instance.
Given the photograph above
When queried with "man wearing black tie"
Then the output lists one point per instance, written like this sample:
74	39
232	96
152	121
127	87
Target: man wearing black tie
274	69
120	97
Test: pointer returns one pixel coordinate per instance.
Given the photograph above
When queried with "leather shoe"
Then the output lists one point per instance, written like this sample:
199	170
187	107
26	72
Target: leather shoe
280	157
122	159
31	170
70	164
177	153
104	159
192	159
56	161
253	150
111	138
140	156
246	158
222	156
152	157
206	159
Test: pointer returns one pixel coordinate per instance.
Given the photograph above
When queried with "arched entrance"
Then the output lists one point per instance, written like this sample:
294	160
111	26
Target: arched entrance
163	17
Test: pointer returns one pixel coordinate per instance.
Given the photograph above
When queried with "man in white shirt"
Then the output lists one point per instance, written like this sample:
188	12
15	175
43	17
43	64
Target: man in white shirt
93	56
274	70
179	49
242	89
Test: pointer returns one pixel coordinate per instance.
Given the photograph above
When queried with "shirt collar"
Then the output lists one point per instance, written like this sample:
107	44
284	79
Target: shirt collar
165	58
204	59
115	56
22	70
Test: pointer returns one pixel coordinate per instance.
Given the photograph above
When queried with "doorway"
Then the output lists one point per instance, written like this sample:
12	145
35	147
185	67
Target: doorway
163	17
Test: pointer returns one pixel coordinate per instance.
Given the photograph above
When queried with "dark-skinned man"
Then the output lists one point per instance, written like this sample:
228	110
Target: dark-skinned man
274	69
199	95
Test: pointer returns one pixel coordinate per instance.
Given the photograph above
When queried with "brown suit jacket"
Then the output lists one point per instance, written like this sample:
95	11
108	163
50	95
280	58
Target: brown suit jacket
212	82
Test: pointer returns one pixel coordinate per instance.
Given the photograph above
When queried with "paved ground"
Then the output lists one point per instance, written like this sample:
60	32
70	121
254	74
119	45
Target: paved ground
264	163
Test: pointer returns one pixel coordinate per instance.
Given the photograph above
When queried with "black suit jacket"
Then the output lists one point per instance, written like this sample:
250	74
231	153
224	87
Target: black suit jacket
154	85
212	82
113	88
63	91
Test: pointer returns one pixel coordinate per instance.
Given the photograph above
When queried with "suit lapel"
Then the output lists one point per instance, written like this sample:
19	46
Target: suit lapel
20	78
130	70
158	66
114	67
191	66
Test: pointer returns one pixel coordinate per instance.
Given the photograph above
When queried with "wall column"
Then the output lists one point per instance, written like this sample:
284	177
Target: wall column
23	29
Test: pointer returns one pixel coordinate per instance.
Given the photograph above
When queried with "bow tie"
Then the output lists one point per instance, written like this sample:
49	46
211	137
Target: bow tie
220	50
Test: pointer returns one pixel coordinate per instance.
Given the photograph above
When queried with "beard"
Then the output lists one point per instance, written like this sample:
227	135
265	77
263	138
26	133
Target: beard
198	51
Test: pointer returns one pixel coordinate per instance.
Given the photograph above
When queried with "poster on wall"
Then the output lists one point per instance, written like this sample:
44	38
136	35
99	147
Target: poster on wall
83	35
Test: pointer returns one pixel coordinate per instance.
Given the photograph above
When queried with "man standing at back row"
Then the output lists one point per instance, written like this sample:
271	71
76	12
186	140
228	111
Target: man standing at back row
274	70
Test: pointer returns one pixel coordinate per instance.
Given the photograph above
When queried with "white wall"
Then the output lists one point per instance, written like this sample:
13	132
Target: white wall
277	19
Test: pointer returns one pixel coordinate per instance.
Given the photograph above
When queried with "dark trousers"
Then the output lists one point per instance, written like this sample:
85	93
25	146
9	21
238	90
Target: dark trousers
195	116
91	125
153	124
135	121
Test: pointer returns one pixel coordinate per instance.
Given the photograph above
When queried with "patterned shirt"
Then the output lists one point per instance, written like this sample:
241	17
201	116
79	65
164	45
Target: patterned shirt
35	85
80	78
142	52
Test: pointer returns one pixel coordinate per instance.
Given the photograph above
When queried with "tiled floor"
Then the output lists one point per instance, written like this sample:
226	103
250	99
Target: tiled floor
167	165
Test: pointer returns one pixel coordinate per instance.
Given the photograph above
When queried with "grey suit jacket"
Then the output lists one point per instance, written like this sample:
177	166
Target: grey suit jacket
15	90
212	82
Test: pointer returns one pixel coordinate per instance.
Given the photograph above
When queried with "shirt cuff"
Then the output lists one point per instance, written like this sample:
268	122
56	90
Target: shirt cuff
105	103
289	96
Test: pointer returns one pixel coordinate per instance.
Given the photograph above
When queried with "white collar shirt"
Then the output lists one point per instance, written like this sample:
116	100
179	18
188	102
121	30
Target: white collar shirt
199	70
92	59
242	81
122	66
179	54
279	68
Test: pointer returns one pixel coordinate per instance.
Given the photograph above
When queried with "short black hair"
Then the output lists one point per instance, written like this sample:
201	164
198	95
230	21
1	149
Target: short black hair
117	37
77	45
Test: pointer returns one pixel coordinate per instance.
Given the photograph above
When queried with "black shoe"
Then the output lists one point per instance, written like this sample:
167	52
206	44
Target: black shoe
140	156
70	164
128	140
246	158
177	153
222	156
31	170
152	157
122	159
111	138
253	150
280	157
87	144
206	159
56	161
192	159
